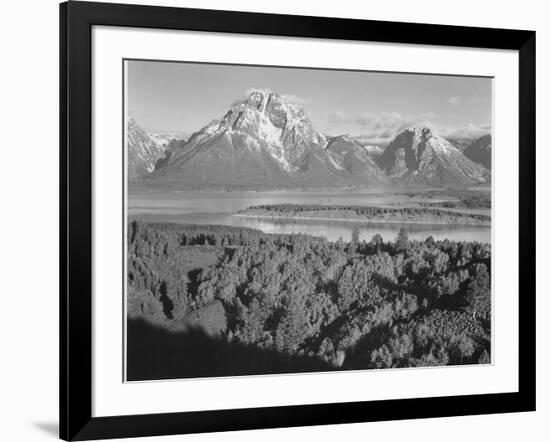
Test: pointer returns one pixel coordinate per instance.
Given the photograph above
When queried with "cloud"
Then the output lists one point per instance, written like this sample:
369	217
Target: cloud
382	128
297	99
377	128
476	99
454	100
467	131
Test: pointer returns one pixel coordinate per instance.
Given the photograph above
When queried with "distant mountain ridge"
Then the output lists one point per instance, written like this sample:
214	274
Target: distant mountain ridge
265	141
356	159
143	151
417	155
480	151
163	139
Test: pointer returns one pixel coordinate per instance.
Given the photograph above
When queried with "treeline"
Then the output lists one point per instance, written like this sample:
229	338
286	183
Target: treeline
477	202
355	304
465	199
367	212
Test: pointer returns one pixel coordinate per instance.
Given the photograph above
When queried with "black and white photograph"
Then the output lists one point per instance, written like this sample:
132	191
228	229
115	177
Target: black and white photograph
287	220
242	221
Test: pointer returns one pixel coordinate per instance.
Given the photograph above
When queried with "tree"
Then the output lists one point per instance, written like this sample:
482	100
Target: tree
395	304
430	242
381	357
352	284
478	291
484	358
251	330
355	233
376	243
377	240
402	242
294	327
462	348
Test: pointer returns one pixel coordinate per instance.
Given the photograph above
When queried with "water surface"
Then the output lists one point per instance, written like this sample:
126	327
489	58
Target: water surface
203	207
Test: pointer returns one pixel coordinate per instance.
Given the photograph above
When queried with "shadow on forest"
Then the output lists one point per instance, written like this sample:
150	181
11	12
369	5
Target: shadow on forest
155	353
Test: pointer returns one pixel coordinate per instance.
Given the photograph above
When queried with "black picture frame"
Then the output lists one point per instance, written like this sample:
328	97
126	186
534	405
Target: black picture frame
76	21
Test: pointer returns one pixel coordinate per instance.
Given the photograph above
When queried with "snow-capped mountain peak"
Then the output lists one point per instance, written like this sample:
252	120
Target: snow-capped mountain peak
269	118
164	138
373	149
143	152
265	141
417	154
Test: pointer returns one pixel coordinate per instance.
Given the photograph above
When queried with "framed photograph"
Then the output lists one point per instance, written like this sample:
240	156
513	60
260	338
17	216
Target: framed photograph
273	220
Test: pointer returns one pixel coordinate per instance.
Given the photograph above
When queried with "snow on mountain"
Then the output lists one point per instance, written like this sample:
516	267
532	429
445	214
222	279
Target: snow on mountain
263	141
266	142
373	150
416	155
163	139
143	152
280	126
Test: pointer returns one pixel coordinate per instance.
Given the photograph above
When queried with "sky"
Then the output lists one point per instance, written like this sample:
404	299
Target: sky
375	106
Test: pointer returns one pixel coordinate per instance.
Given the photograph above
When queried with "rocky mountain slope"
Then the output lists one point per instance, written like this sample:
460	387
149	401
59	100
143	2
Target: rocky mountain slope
266	142
373	149
480	151
417	155
263	141
163	139
143	152
459	143
356	159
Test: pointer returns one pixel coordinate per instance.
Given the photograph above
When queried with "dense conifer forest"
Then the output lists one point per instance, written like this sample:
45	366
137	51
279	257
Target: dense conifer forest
345	305
428	214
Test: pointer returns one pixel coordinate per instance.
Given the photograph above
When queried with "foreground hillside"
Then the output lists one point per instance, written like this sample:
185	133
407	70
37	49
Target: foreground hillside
237	301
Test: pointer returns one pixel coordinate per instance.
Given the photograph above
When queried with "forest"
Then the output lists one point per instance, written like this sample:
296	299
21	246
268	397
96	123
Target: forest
347	305
476	202
456	198
430	214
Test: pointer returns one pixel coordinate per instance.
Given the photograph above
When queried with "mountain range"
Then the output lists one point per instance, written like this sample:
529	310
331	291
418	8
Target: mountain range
163	139
480	151
416	155
266	142
143	152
